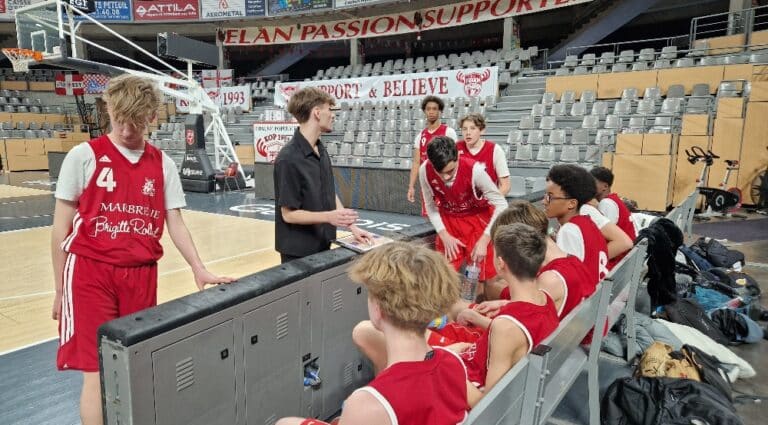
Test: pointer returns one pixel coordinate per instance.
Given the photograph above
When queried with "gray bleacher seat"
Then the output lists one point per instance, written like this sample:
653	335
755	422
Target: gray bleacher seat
676	91
558	110
662	124
523	152
646	55
547	123
605	137
639	66
560	72
626	56
684	63
710	61
579	136
607	58
599	108
505	79
669	53
652	93
700	90
629	93
622	107
588	59
405	151
619	67
535	137
612	122
556	137
571	61
332	148
728	89
735	59
405	163
346	149
355	161
637	123
526	122
672	106
358	149
546	153
599	69
375	137
548	98
389	151
405	138
590	122
580	70
374	150
579	109
568	97
538	110
388	163
646	107
588	96
569	153
349	136
661	64
592	154
514	137
517	186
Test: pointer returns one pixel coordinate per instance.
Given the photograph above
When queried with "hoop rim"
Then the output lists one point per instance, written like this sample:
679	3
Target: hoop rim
35	55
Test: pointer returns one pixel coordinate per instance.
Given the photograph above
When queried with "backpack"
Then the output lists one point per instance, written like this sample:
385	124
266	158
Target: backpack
710	370
693	258
716	253
687	311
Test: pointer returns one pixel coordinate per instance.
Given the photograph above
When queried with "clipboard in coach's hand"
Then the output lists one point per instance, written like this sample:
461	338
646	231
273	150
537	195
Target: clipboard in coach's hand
349	242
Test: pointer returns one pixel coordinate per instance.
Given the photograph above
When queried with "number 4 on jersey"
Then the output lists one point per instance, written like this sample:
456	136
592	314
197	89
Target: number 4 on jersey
106	179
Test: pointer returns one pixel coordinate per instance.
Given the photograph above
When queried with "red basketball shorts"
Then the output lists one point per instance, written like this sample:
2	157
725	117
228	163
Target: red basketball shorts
468	229
94	293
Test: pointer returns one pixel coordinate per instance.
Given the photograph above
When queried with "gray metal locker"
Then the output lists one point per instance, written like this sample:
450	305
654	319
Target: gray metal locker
342	367
273	361
200	367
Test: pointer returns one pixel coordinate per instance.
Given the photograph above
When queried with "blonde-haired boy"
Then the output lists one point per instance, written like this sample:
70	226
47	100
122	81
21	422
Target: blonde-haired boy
114	196
407	286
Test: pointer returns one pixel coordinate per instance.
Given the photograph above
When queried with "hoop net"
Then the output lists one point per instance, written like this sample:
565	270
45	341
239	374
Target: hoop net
21	58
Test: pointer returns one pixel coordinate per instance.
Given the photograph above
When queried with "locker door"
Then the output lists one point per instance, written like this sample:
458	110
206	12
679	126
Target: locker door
194	379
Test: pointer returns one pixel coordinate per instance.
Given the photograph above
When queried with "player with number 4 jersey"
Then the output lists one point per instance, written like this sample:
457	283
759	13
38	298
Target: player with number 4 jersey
115	196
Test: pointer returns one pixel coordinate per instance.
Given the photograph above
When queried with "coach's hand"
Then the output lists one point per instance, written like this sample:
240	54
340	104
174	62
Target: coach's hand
342	217
56	310
481	248
411	194
203	277
451	244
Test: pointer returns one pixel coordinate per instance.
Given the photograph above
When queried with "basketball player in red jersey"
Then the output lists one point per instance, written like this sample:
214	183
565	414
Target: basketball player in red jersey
612	207
462	202
115	195
407	286
487	153
432	106
568	188
562	276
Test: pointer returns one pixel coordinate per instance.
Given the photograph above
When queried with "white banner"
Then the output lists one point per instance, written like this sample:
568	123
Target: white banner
224	96
473	82
270	137
222	9
450	15
217	78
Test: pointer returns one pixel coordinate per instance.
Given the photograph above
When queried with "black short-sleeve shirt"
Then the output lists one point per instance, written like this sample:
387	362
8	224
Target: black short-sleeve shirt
304	181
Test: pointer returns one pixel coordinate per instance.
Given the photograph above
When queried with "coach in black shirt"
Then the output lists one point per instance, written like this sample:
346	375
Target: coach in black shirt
307	208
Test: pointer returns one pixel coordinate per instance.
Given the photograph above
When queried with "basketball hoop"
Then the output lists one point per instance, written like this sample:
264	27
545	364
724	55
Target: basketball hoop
21	58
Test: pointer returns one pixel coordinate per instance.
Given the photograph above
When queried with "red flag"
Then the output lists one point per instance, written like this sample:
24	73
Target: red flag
69	84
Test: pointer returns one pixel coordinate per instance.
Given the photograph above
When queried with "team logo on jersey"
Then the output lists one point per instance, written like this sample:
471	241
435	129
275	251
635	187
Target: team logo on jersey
104	158
473	82
149	187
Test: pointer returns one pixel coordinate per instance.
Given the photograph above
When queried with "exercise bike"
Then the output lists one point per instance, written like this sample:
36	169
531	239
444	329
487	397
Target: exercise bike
718	201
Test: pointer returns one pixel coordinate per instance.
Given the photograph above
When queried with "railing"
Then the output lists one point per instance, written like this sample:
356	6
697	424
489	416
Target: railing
677	40
744	21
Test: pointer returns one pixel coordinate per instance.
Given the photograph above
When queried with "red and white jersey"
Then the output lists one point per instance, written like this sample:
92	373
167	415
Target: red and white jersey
576	280
121	213
483	156
427	136
581	237
624	222
536	322
428	392
460	198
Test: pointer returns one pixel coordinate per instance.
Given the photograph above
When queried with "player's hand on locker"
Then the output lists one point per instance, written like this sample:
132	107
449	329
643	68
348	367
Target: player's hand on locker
452	245
203	277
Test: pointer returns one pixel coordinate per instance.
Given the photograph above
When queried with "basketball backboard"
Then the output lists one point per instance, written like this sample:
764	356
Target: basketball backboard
42	27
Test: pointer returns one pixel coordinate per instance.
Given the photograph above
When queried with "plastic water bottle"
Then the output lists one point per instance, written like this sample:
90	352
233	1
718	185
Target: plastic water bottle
469	283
